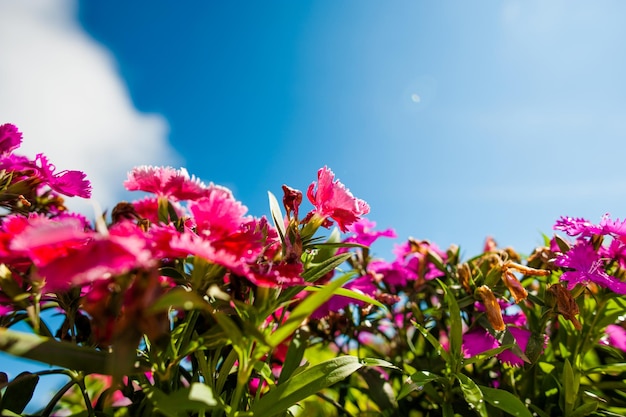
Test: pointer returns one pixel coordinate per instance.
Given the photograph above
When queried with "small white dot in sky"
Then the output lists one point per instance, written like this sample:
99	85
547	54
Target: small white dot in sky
415	98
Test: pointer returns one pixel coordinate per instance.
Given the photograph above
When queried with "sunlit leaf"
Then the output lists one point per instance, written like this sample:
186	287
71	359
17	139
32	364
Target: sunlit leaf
505	401
305	384
473	395
277	215
305	309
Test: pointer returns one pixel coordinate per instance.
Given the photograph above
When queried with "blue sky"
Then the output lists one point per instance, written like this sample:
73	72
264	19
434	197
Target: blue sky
453	120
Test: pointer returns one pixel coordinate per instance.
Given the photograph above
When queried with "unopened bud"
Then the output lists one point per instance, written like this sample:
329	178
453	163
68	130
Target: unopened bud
515	287
291	200
465	275
492	308
565	304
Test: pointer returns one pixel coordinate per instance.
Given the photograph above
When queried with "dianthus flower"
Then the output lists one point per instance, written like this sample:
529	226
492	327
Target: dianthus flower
66	254
364	233
333	200
10	138
174	184
615	336
587	266
478	340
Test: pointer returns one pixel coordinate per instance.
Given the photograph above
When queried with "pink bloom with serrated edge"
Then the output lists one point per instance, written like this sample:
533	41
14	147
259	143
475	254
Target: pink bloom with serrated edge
333	200
587	266
175	184
10	138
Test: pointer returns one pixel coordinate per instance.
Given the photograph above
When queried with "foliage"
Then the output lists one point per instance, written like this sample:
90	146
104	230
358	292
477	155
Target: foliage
180	304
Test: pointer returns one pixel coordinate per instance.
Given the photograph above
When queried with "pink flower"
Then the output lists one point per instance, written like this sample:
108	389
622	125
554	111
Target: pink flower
333	200
66	254
584	228
587	266
615	336
69	183
577	226
148	208
364	233
10	138
218	214
174	184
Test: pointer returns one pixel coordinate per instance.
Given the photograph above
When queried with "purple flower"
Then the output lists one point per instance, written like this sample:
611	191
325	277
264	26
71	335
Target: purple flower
587	266
615	336
10	138
577	226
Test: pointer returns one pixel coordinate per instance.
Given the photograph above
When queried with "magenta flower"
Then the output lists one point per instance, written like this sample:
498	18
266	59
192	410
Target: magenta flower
218	214
10	138
584	228
577	226
66	254
69	183
615	336
174	184
364	232
333	200
587	266
479	340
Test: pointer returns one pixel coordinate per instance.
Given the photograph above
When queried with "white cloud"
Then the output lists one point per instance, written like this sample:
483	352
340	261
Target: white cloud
63	90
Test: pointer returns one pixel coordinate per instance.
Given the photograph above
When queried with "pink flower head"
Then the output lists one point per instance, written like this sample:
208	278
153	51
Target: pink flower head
577	226
174	184
333	200
10	138
615	336
587	266
69	183
66	254
218	214
584	228
364	233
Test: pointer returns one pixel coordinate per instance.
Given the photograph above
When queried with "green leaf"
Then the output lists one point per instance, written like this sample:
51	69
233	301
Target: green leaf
46	350
416	382
433	341
305	384
319	270
277	215
456	325
612	369
505	401
179	298
570	387
305	309
379	389
473	395
197	397
585	409
294	356
344	292
19	392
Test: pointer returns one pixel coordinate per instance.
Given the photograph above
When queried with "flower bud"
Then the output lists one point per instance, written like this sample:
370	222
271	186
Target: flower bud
465	276
292	199
515	287
565	304
492	308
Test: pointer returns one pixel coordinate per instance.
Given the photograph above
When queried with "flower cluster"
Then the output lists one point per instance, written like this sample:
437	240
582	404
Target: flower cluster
180	303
